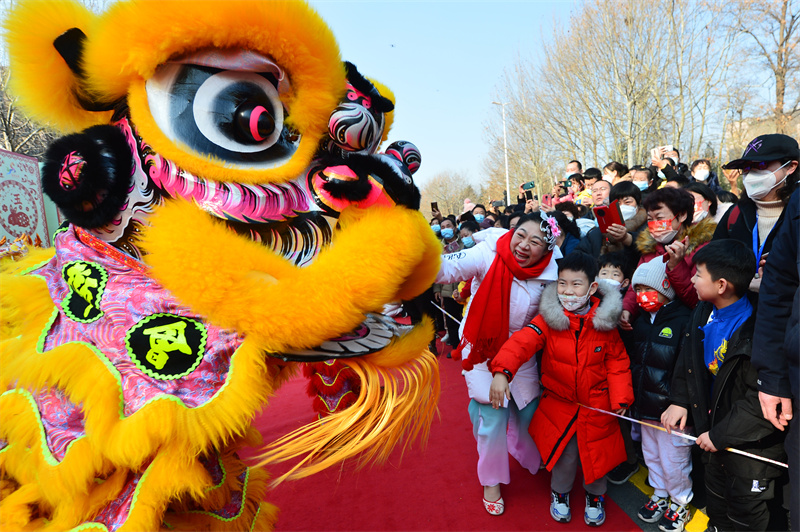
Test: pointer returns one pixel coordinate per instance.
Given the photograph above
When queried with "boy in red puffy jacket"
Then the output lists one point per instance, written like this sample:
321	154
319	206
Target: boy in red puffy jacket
584	363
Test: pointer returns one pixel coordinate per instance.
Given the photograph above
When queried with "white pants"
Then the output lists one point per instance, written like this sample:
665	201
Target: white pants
669	459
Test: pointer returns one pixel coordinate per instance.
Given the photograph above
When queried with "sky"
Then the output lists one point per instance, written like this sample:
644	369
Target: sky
444	60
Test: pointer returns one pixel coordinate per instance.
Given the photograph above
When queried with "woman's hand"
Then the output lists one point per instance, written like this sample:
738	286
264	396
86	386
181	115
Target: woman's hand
676	251
498	390
531	205
732	176
618	233
705	443
620	411
674	417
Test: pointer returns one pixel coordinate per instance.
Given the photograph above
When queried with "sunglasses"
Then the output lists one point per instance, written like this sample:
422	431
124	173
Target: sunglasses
753	165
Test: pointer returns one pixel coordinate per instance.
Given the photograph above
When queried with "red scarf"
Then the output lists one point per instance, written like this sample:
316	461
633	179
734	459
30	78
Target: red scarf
486	329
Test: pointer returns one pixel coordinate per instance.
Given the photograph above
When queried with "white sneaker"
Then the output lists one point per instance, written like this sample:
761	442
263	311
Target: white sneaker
674	519
445	338
595	514
559	507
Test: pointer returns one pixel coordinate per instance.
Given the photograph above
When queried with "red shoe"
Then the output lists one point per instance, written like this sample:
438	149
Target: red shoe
495	508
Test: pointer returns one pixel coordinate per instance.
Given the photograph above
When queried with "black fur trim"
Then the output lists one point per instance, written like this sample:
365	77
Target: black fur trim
401	191
102	188
350	190
379	103
69	46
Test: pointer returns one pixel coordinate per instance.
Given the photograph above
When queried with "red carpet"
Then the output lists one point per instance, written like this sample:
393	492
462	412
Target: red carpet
432	489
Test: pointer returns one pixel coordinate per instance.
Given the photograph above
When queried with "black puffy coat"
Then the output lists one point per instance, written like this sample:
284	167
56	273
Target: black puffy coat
653	356
731	414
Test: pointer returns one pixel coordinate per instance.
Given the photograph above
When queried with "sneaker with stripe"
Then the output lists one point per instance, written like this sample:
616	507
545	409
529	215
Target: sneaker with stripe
559	507
595	514
653	509
674	519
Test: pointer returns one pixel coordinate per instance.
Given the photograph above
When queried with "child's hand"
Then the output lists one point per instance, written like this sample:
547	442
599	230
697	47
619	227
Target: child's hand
705	443
674	417
625	321
499	390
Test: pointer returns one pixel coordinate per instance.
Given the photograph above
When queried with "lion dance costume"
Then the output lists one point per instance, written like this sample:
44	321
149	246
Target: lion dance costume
228	210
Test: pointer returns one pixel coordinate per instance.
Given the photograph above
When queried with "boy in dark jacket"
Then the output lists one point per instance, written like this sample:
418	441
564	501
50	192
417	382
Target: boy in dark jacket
657	335
715	357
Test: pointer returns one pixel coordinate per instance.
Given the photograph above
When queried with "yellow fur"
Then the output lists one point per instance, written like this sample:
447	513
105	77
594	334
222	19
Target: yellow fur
126	45
40	79
368	270
130	43
403	405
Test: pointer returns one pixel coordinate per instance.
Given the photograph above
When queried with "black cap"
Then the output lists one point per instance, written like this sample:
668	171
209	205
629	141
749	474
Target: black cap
764	148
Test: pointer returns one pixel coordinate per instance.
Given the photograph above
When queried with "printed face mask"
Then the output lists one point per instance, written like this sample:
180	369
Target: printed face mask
661	230
759	183
573	303
649	300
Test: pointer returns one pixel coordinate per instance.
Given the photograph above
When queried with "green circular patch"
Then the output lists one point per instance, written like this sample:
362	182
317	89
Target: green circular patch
166	346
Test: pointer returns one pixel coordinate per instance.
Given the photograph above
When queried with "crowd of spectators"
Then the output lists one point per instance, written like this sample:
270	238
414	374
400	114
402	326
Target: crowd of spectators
678	253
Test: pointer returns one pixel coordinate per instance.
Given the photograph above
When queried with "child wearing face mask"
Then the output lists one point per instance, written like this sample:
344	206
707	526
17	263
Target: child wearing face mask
584	363
612	270
657	335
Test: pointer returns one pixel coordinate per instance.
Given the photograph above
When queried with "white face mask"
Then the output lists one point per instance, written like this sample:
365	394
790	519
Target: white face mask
759	183
613	282
699	215
665	237
701	175
573	303
628	211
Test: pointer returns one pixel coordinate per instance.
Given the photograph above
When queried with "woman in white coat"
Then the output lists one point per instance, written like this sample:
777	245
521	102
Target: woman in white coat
509	271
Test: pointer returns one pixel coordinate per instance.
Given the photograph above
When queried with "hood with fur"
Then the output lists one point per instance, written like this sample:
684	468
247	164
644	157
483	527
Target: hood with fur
604	315
698	234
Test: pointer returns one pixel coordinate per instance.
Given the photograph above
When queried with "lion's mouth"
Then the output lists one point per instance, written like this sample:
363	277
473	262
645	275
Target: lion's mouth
375	333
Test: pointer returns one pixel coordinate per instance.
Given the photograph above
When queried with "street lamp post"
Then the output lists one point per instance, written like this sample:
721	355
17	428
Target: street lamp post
505	152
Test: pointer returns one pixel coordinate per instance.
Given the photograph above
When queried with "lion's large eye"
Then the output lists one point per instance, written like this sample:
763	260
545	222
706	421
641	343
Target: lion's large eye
231	115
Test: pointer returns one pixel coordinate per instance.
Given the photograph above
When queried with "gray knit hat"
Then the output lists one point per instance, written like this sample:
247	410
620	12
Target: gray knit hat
654	275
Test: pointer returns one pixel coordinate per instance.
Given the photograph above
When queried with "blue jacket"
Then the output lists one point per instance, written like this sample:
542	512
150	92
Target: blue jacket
776	340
